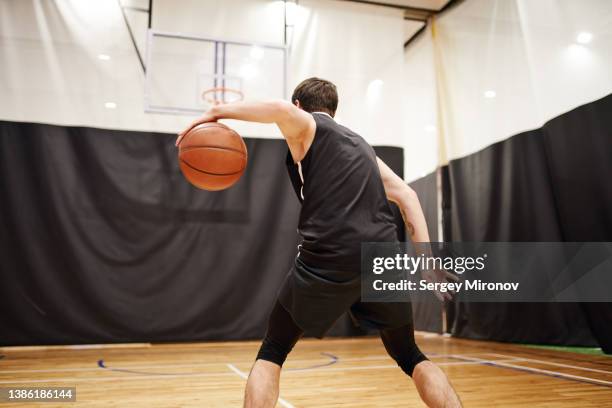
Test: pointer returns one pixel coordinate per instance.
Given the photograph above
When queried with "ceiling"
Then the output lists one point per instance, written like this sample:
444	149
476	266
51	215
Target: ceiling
420	4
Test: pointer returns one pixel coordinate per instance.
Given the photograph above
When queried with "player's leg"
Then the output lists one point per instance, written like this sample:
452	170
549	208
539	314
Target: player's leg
433	386
431	382
263	383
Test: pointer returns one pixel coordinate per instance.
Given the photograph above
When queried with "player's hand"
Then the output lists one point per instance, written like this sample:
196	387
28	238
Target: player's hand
206	117
440	276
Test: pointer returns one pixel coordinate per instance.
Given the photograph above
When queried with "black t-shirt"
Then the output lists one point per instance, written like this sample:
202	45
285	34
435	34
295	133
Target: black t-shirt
343	198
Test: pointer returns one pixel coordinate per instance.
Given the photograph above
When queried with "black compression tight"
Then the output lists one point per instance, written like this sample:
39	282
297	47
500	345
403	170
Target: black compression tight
283	334
401	346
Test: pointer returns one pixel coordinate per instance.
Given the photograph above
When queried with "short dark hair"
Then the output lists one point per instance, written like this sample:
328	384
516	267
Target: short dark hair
316	95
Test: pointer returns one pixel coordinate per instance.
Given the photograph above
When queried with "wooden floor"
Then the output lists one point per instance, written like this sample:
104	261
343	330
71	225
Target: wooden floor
319	373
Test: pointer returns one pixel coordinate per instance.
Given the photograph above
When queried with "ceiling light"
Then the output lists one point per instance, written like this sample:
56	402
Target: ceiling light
110	105
584	37
375	86
374	90
103	57
489	94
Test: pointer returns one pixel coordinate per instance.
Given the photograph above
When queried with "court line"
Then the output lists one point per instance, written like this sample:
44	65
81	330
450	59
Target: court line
385	366
52	370
549	373
245	376
333	360
127	371
19	349
113	378
210	374
196	364
237	371
533	360
465	359
186	365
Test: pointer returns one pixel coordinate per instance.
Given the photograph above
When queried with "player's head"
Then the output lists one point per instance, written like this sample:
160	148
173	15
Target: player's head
316	95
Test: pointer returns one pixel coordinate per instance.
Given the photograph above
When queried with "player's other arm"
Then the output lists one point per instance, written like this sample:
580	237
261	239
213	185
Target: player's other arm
408	202
296	125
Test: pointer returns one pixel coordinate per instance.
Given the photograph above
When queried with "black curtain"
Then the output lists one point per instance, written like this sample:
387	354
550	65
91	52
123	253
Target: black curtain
102	240
549	184
578	149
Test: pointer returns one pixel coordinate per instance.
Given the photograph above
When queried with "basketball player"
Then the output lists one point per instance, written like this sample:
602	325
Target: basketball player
344	190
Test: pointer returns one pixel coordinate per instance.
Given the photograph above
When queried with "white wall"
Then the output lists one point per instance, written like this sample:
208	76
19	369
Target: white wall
50	71
359	48
525	51
420	115
349	44
243	20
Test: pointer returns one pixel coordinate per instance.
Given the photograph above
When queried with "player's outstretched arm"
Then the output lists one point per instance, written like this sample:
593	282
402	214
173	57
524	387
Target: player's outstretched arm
408	202
295	124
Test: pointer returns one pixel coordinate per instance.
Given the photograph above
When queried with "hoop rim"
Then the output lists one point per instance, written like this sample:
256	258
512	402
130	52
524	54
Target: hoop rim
206	98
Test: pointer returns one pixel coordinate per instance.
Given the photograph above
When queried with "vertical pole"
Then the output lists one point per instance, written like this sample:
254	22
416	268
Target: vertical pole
215	62
148	72
224	48
285	24
286	52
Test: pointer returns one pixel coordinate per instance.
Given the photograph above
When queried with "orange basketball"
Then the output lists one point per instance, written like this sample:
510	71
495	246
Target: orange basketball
212	156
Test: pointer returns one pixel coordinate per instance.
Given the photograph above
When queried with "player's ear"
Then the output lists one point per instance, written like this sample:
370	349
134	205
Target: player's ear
297	103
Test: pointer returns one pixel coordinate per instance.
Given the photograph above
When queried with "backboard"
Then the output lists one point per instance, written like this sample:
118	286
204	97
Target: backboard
183	71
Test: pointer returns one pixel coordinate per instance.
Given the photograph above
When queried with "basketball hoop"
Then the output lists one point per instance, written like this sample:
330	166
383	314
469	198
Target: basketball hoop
220	95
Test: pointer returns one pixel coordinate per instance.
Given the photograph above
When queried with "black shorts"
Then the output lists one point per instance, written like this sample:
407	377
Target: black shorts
315	298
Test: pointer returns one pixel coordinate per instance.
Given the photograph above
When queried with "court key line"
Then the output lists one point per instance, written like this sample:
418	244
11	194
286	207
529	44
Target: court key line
332	360
222	374
202	364
465	360
125	370
132	368
244	375
395	366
